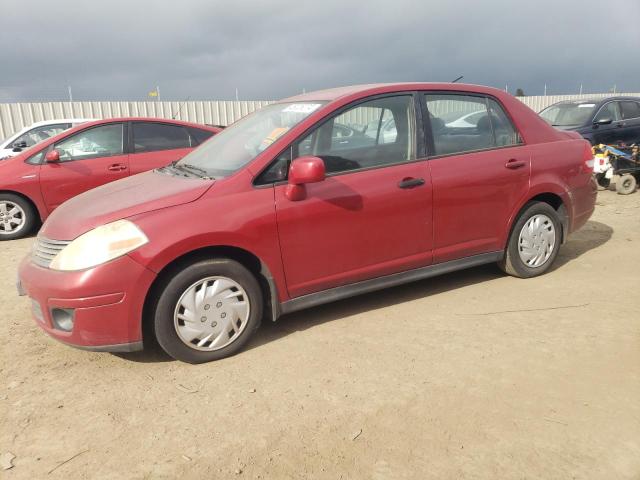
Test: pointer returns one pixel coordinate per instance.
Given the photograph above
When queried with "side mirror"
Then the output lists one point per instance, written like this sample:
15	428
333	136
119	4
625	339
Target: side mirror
303	170
604	121
52	157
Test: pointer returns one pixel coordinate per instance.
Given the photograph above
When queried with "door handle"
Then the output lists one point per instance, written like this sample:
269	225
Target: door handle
514	164
116	167
410	182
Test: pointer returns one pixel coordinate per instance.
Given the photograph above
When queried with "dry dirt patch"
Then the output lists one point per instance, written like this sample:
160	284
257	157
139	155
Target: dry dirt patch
469	375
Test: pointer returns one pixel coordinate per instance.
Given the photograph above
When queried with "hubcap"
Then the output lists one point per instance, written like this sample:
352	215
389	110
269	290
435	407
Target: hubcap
211	313
12	217
537	241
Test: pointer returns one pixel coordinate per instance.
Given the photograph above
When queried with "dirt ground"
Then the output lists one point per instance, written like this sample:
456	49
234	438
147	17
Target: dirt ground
469	375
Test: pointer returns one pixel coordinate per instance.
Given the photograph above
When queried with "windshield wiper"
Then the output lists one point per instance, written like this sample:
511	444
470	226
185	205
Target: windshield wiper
192	169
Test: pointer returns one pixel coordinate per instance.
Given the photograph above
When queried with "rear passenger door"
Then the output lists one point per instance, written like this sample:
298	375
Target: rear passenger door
479	170
156	144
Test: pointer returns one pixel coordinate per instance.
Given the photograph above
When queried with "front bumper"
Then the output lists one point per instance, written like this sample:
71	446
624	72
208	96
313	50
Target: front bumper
105	302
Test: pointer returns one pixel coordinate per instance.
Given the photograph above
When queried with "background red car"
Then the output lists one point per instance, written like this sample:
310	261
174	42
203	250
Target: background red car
38	180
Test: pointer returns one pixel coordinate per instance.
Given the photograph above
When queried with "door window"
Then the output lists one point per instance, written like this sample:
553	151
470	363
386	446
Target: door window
630	110
608	111
151	137
102	141
39	134
374	133
466	123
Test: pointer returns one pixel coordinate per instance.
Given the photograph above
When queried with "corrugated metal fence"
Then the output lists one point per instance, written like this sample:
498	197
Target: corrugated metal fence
15	116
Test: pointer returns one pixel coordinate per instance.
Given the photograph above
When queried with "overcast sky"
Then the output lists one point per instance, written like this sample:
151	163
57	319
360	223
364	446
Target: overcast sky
205	49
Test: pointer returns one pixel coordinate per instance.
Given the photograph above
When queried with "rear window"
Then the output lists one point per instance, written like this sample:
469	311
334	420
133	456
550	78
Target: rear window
151	137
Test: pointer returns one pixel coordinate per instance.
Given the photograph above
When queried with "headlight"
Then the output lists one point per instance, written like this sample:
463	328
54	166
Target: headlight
100	245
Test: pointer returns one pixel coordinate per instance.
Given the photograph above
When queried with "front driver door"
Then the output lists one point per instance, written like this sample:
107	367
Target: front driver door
610	133
88	159
371	216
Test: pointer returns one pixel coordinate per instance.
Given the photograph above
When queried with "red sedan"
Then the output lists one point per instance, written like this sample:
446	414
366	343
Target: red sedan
312	199
40	179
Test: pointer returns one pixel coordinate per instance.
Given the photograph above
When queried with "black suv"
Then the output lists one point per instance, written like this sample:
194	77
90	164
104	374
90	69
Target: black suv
612	121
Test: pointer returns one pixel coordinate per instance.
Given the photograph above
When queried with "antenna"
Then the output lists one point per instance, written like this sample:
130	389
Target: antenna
180	108
458	79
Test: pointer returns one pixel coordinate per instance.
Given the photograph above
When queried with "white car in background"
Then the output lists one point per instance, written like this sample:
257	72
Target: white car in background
36	133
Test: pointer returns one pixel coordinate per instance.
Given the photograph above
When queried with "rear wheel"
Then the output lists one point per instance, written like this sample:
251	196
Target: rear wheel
17	217
626	184
208	311
534	241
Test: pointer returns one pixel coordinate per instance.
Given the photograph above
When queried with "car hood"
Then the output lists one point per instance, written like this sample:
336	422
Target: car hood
121	199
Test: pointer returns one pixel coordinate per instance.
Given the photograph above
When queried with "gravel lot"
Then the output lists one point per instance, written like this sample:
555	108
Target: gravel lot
469	375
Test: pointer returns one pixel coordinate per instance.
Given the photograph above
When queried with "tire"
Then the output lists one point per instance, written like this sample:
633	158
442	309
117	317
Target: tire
23	212
626	184
208	310
603	181
542	220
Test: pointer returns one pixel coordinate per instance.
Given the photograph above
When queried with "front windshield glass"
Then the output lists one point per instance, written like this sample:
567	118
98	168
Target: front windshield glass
237	145
568	114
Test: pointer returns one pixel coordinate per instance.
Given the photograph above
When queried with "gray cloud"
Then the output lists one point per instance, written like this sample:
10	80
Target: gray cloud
206	49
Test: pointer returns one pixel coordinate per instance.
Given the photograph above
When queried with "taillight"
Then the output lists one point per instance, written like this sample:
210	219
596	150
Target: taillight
588	158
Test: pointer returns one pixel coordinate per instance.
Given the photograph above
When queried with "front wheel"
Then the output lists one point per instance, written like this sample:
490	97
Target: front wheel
17	217
534	241
208	311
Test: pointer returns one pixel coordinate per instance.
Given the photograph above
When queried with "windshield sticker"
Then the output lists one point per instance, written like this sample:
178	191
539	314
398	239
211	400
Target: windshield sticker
302	107
586	105
272	137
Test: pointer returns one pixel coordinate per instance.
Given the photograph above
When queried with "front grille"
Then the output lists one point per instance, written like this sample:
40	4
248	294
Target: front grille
45	250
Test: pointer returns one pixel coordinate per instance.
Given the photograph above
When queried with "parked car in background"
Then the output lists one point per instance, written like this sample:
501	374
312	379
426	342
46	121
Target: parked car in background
612	121
37	181
199	252
34	134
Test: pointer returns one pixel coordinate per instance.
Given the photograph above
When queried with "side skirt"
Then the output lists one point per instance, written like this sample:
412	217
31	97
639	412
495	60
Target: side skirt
366	286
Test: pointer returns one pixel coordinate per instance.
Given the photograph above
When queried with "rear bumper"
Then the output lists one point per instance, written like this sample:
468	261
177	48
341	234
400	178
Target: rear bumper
105	303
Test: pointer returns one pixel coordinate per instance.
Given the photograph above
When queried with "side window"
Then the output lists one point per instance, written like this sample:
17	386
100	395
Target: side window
630	109
199	135
151	137
37	158
465	123
374	133
39	134
102	141
505	133
608	111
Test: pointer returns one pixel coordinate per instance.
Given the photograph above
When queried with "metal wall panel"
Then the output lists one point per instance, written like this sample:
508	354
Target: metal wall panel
16	116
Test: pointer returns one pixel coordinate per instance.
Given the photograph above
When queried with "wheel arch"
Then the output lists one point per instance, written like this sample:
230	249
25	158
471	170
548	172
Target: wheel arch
551	198
246	258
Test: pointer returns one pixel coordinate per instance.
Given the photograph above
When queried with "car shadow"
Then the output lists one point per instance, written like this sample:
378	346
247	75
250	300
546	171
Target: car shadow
591	236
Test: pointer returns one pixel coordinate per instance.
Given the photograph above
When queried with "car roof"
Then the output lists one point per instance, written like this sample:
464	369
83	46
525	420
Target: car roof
582	101
333	94
59	120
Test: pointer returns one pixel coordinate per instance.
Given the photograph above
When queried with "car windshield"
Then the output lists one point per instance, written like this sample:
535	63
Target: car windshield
568	114
241	142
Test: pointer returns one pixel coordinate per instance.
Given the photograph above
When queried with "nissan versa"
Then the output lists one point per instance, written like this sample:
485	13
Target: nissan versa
305	202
